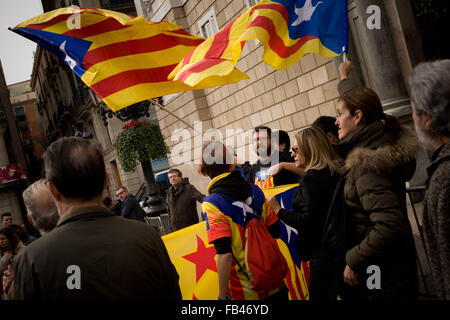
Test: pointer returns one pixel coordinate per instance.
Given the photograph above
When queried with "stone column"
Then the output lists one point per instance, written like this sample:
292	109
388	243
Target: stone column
379	66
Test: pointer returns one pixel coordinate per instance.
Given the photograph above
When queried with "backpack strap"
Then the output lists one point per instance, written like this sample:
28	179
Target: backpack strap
241	268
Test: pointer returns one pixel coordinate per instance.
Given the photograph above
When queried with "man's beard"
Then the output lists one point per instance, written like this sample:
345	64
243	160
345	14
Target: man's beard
265	152
425	139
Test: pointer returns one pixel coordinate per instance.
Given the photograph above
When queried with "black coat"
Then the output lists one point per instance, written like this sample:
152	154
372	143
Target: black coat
310	205
117	259
182	205
281	178
131	209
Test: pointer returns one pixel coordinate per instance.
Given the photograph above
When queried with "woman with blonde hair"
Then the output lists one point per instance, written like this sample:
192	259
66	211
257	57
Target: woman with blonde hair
310	205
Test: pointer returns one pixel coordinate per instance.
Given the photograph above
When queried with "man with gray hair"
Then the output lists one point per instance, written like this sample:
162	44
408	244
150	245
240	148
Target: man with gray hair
41	207
92	254
430	101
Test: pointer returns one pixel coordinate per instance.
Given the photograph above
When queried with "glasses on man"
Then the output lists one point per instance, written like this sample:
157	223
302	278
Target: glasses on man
118	194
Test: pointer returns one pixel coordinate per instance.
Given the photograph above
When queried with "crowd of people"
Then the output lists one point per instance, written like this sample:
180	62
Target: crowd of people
355	166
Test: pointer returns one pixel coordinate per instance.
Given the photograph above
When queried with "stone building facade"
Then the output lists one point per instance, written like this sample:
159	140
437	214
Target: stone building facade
10	153
23	101
293	98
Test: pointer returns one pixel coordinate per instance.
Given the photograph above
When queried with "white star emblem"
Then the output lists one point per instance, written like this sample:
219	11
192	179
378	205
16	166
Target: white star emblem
244	206
71	62
289	229
305	13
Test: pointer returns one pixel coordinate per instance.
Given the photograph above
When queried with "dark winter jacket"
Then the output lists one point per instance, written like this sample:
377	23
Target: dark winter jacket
378	162
93	254
310	205
181	204
281	178
131	209
436	220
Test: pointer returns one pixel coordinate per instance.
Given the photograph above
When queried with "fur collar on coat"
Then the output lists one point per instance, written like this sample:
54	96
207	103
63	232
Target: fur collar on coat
377	149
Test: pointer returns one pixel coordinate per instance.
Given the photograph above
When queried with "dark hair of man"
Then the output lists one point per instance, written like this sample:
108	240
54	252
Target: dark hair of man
107	201
283	137
123	188
327	124
75	167
263	128
178	172
6	214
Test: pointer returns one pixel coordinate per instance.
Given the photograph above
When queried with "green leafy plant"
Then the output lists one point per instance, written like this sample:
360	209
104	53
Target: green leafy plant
435	8
139	142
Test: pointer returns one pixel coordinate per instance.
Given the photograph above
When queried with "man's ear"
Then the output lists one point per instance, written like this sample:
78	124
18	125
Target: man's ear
427	119
55	192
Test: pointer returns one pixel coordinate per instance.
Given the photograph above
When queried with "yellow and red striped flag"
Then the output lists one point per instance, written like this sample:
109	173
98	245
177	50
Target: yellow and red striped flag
195	259
288	29
123	59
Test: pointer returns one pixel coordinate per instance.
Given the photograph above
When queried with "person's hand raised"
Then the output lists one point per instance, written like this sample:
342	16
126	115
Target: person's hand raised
345	68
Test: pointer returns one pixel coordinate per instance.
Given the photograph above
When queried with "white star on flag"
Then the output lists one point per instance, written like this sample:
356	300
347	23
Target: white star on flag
244	206
289	229
305	13
71	62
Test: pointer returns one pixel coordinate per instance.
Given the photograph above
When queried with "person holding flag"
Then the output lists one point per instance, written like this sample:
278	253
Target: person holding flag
310	205
230	198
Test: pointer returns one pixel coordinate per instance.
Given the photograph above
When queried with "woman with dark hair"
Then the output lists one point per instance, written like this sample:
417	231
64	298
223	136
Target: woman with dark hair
379	159
310	206
229	196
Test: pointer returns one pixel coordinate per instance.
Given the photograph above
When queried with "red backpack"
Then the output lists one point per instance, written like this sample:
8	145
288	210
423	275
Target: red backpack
265	265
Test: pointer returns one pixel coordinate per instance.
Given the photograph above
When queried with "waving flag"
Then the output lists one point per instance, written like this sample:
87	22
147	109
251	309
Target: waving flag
123	59
195	262
288	29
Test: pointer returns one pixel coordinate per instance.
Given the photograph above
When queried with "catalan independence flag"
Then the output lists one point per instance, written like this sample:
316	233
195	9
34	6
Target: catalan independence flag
123	59
288	29
195	262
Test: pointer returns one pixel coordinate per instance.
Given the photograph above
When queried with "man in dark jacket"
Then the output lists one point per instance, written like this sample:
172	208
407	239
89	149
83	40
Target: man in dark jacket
274	158
181	201
92	253
130	207
430	101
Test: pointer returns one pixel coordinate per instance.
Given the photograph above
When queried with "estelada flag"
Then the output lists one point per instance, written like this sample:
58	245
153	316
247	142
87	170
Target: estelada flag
288	29
123	59
195	262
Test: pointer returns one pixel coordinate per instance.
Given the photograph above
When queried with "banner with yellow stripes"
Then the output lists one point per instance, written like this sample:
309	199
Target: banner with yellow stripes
195	262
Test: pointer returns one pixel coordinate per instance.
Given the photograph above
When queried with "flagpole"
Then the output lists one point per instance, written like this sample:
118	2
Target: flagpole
156	103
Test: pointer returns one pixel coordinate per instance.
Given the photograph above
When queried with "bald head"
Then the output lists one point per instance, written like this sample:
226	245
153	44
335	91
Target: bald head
41	206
